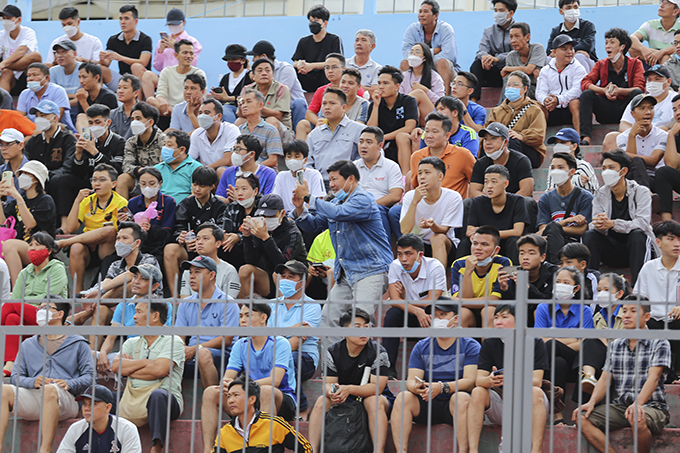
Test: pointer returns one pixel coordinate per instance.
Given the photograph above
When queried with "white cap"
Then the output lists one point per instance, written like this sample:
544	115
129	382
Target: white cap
11	135
37	169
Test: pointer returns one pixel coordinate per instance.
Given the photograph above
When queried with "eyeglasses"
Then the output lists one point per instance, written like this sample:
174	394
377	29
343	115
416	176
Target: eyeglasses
334	67
514	85
676	43
5	145
459	84
238	149
100	180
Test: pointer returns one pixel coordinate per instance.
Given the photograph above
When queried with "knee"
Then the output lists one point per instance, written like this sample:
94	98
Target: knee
138	70
171	250
588	95
403	139
574	104
537	395
477	394
438	240
77	251
274	122
8	394
204	358
246	271
51	393
211	394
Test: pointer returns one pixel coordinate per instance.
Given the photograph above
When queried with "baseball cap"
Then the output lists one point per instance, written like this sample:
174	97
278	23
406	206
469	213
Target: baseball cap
443	307
202	261
262	48
11	135
45	106
175	17
37	169
234	51
566	134
11	11
97	393
496	130
294	266
269	205
561	40
659	69
64	44
147	271
637	100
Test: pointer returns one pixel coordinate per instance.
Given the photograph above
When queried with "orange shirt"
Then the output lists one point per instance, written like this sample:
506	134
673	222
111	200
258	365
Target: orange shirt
459	162
14	119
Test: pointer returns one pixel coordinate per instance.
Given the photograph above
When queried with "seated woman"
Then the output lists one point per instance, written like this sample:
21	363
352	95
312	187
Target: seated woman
422	81
566	316
233	82
44	276
246	196
35	211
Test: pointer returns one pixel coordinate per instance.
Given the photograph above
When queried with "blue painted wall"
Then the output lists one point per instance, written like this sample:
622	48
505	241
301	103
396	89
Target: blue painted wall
284	32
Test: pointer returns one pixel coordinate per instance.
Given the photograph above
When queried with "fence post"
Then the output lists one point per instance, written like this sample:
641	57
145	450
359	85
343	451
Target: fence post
518	396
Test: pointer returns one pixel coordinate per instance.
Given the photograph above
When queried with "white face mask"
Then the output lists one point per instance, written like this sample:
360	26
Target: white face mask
496	154
440	323
655	88
294	164
150	192
561	148
616	57
414	61
571	15
563	291
205	121
248	202
43	317
137	127
605	299
97	131
175	29
70	30
25	181
500	18
559	177
238	159
610	177
9	25
42	124
272	223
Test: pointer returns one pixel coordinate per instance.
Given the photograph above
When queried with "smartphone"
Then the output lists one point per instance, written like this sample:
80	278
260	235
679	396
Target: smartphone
610	90
321	265
300	175
498	372
87	133
164	35
511	270
334	387
218	89
258	221
419	381
125	210
7	176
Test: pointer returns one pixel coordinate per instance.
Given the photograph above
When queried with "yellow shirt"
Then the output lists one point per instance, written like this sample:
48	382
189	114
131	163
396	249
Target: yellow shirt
322	248
93	217
480	284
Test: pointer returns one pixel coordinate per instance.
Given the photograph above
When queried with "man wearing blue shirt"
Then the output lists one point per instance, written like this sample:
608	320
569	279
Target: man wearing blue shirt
40	88
212	351
461	134
462	88
177	168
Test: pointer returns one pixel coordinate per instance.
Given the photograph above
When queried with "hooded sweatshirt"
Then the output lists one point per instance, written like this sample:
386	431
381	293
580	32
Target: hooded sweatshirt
565	84
32	286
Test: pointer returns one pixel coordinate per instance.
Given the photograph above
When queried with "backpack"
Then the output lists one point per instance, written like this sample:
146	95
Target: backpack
347	429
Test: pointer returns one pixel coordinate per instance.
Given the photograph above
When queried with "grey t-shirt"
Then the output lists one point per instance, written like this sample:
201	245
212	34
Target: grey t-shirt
537	56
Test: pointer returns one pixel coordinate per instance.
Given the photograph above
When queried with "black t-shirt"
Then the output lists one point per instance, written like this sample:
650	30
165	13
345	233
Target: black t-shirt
315	52
620	79
619	211
389	120
518	165
224	83
44	212
491	355
350	370
105	97
482	213
137	46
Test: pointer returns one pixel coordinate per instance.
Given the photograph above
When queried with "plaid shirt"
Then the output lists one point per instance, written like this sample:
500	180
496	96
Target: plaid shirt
623	364
119	267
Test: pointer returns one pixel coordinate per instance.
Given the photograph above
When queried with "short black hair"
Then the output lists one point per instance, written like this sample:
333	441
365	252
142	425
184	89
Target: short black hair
318	12
91	68
338	56
510	4
153	171
338	92
574	251
182	42
436	162
397	76
181	138
502	308
148	111
61	306
204	176
129	8
568	158
472	79
622	36
217	232
447	125
523	27
677	32
452	103
135	83
348	318
498	170
535	240
137	231
252	179
251	143
96	110
346	168
411	240
563	3
48	241
646	308
376	131
262	308
217	105
297	146
158	307
666	227
433	3
68	12
113	173
356	74
198	79
43	68
491	231
618	156
257	63
252	390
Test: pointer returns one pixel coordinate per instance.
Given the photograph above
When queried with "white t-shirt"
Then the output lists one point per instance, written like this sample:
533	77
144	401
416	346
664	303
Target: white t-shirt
658	284
284	184
383	177
656	139
663	112
87	46
447	211
171	84
26	37
205	152
227	280
431	275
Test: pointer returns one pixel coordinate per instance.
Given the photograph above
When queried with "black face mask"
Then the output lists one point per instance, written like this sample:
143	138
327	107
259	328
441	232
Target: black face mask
314	27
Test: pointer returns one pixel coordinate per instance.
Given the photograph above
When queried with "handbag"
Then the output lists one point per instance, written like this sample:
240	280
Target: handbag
7	231
132	406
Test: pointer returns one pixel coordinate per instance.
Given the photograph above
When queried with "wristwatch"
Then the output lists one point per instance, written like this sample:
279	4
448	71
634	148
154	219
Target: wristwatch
306	198
445	387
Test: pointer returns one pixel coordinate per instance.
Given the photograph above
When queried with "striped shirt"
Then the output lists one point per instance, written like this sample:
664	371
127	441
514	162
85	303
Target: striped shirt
657	36
583	168
267	135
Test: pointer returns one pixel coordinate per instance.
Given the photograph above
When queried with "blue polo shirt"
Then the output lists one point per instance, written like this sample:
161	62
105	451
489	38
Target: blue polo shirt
571	321
54	93
477	112
266	175
180	120
465	137
283	317
177	182
129	320
212	315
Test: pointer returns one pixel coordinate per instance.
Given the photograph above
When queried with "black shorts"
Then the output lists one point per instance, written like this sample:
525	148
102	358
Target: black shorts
19	86
450	258
440	412
288	408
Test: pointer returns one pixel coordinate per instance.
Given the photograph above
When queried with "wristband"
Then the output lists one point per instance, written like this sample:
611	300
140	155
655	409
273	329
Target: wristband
306	198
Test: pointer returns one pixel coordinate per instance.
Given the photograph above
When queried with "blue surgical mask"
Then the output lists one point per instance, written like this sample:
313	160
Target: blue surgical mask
340	195
167	154
512	94
414	268
287	287
485	262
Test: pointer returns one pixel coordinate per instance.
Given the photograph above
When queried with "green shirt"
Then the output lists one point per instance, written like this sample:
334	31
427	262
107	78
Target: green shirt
177	182
32	286
657	36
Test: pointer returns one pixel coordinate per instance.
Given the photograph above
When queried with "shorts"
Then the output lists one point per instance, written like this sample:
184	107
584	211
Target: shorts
655	418
287	409
440	412
450	258
217	361
495	411
29	403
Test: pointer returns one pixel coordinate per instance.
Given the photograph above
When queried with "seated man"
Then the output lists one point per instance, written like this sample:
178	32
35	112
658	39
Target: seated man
528	132
92	90
435	370
212	142
567	140
151	360
270	238
433	212
245	154
211	353
39	88
364	44
461	135
559	85
296	154
564	212
355	366
65	73
581	31
396	114
646	412
659	35
476	276
606	98
268	361
209	239
336	139
19	49
177	167
484	400
666	179
413	277
87	46
171	79
462	88
106	429
143	148
30	394
185	114
277	97
251	106
621	230
493	48
357	106
128	91
104	147
673	64
526	57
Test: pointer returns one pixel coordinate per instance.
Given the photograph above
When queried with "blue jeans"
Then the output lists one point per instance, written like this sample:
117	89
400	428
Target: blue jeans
229	114
393	217
306	371
298	110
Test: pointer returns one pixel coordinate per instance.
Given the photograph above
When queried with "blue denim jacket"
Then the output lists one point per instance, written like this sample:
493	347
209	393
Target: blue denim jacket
357	233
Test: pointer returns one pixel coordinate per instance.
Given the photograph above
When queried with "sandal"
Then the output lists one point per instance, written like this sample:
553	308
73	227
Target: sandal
588	382
560	421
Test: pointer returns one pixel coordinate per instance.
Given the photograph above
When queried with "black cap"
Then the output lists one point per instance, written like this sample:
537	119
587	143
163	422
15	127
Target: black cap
97	393
234	51
64	44
175	17
269	205
637	100
659	69
262	48
561	40
295	266
200	261
495	129
452	306
11	11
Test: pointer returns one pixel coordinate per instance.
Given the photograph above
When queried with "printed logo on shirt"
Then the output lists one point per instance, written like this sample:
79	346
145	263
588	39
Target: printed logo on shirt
57	155
400	113
380	178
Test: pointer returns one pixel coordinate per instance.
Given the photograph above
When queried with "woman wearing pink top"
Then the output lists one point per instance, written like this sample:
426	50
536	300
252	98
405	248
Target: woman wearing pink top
422	81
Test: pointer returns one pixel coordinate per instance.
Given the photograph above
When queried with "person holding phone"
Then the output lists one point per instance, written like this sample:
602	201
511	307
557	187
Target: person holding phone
296	154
